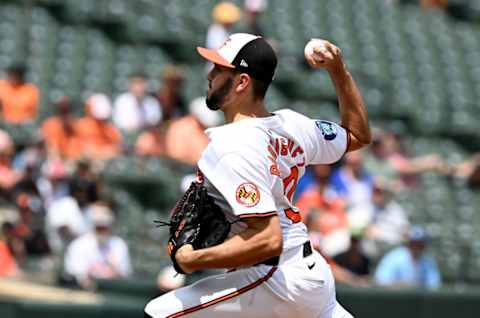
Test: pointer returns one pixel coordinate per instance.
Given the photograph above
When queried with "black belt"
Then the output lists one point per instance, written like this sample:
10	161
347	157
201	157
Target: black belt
307	251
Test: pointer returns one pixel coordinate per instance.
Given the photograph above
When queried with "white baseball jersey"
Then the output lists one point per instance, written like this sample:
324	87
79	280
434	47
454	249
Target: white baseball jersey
251	168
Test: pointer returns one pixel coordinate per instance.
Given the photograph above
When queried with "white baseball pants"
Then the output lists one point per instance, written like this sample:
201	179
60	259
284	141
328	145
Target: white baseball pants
299	287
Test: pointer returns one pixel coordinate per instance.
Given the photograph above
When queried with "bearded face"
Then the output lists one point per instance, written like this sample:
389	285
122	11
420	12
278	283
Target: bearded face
220	82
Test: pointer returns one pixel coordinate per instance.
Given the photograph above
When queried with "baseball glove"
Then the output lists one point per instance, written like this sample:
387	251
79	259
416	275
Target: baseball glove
195	220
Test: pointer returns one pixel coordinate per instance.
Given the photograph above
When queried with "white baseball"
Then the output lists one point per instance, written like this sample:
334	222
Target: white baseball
308	51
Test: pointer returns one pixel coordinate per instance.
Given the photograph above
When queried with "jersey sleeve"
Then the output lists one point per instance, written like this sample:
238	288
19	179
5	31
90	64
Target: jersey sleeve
244	182
325	142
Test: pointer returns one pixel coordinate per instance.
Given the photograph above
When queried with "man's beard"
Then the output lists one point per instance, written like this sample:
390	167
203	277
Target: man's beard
217	97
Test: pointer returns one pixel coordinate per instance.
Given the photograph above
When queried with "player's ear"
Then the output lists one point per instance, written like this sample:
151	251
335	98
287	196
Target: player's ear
242	83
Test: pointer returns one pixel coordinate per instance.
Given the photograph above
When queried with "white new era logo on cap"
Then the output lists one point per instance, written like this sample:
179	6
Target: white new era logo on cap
243	63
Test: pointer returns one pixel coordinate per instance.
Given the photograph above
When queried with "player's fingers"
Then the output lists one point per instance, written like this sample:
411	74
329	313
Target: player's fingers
338	51
311	61
323	55
320	50
335	50
317	59
317	55
332	48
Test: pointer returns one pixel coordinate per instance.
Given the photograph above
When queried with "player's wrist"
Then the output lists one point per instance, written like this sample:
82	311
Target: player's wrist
185	258
339	71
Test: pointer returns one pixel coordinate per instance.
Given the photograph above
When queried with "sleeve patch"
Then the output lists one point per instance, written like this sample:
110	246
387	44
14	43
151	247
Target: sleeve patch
247	194
328	130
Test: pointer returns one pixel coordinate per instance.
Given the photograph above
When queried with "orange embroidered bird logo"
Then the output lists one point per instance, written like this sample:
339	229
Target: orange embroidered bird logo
247	194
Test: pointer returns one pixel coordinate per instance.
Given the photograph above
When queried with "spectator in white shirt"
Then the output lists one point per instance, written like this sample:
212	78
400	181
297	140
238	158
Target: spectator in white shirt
64	222
253	10
385	221
136	109
98	254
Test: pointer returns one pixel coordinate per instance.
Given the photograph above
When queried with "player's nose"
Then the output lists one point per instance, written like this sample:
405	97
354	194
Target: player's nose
211	73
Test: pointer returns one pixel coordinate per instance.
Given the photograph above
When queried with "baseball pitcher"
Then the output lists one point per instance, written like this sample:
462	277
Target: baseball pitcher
239	215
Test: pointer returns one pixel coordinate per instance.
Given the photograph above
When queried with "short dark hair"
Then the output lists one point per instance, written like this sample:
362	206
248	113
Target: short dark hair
18	69
137	74
259	88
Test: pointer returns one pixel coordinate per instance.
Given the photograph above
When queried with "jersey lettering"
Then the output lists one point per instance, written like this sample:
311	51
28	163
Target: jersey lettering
285	147
273	158
292	215
290	183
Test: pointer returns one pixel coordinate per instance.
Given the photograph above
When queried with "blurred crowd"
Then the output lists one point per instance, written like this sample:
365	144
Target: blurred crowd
355	221
53	204
54	208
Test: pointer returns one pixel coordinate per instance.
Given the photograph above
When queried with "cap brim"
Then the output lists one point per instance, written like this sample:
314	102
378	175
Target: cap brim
214	57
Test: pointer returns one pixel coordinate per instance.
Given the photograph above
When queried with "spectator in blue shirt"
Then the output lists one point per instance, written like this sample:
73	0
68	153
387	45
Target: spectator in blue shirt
409	265
352	181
